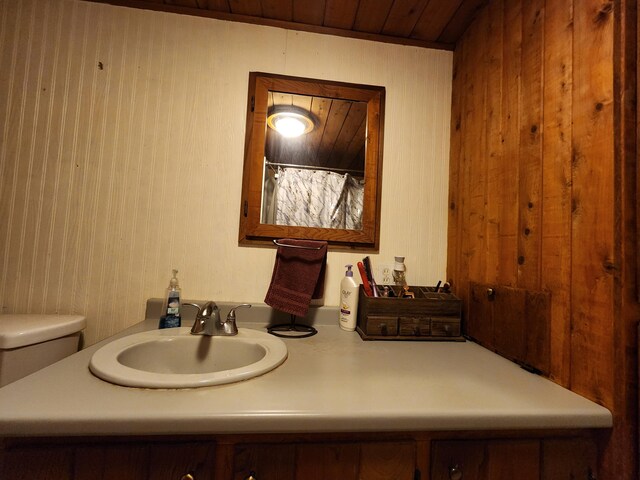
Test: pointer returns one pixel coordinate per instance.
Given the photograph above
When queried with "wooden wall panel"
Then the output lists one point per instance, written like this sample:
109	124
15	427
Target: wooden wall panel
558	206
637	183
513	322
627	307
508	336
475	142
454	232
530	143
510	114
479	316
495	165
459	171
592	256
555	272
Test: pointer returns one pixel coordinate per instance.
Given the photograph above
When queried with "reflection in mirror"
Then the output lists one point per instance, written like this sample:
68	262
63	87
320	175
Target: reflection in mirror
319	178
314	167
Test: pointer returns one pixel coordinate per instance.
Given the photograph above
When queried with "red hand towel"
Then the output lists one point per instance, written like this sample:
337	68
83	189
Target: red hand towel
298	276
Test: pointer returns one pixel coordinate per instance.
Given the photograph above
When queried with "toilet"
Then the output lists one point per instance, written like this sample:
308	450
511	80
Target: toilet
29	342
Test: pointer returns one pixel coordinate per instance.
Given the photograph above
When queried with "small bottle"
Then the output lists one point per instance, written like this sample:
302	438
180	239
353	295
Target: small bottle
348	301
171	310
398	272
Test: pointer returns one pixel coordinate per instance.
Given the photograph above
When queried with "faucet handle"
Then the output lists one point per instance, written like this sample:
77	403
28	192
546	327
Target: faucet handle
230	327
191	305
198	323
231	317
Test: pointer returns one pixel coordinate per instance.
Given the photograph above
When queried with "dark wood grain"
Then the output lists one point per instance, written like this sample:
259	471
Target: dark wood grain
372	15
403	16
513	322
340	14
435	18
479	318
555	272
310	12
424	23
562	200
478	460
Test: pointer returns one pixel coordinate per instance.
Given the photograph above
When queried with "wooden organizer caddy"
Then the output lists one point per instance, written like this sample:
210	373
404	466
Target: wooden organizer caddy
429	316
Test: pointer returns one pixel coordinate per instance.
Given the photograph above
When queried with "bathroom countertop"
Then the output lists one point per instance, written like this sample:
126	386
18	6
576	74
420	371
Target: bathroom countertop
332	382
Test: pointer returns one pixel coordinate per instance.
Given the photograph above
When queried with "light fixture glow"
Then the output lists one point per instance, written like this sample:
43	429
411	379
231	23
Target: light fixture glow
289	126
289	123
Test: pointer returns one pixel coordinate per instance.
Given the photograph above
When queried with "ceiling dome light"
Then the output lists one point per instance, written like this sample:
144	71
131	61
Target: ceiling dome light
290	122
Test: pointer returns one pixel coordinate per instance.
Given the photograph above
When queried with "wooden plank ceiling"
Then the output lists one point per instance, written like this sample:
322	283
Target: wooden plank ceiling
337	141
423	23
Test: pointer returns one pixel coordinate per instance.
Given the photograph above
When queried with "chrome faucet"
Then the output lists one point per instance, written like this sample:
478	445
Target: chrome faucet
208	320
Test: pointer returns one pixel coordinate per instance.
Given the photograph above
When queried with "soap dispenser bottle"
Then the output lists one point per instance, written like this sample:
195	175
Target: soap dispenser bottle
348	301
171	310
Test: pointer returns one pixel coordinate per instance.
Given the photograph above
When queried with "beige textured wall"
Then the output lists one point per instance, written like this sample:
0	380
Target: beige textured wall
121	150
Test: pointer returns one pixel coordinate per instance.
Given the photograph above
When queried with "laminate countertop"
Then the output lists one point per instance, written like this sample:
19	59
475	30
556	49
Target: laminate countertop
331	382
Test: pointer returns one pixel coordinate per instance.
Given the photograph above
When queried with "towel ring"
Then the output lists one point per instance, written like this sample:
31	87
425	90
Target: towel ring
295	246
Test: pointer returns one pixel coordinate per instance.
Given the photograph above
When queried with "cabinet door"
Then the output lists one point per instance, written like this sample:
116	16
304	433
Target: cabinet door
572	458
43	463
264	461
486	460
124	462
177	461
384	461
159	461
127	461
326	461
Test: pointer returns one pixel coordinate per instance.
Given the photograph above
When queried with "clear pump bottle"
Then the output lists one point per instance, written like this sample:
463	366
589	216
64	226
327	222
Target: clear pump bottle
171	310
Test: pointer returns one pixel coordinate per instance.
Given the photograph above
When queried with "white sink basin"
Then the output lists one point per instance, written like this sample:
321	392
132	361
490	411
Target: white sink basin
173	358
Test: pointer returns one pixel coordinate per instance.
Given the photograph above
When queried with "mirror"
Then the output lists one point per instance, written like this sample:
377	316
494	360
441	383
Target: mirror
322	183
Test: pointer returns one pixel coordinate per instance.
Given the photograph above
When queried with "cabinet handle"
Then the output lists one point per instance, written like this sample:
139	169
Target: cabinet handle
252	476
188	476
455	473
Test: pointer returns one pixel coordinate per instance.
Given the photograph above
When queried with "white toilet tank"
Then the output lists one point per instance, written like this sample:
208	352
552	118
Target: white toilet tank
29	342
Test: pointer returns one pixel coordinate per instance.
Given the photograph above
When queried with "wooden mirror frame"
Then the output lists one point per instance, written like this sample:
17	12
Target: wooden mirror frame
252	232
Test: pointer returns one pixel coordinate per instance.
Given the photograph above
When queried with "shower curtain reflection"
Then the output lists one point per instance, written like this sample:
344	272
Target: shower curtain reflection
312	198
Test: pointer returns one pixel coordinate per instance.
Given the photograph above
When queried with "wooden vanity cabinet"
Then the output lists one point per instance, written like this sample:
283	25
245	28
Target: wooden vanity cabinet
545	459
410	456
322	461
197	461
41	462
569	458
485	460
109	461
160	461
